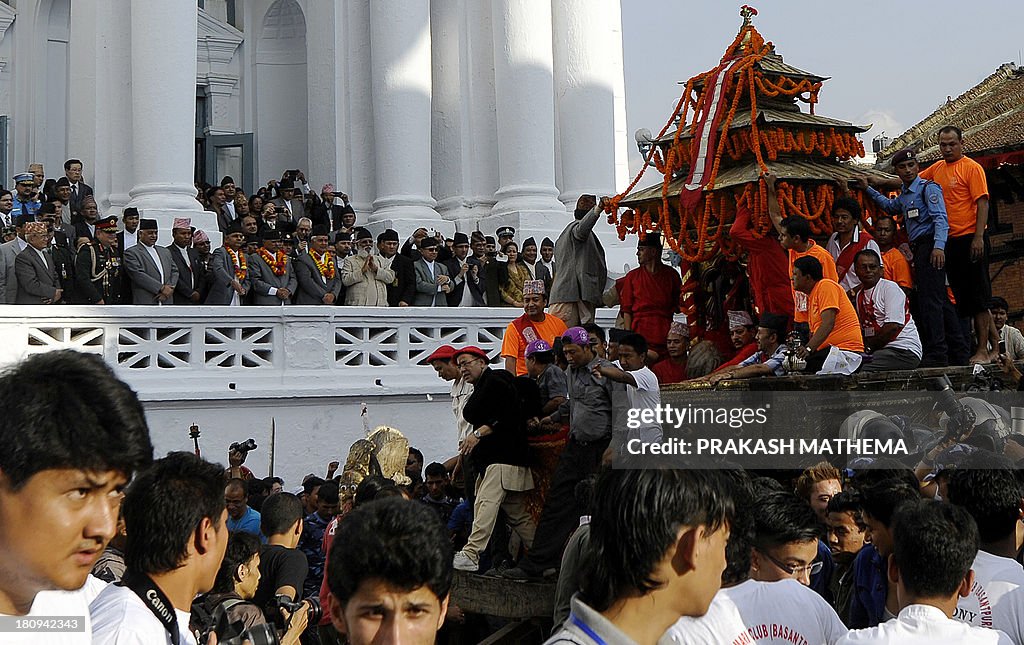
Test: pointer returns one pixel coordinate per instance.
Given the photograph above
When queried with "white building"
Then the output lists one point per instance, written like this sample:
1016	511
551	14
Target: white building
443	113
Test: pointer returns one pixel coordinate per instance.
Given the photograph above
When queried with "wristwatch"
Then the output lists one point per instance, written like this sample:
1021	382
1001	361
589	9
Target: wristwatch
476	433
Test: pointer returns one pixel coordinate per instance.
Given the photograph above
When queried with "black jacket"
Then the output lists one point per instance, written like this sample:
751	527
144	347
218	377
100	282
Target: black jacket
495	402
405	274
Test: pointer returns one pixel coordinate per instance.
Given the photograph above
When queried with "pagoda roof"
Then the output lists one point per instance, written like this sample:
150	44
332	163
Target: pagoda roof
782	117
773	65
991	115
790	169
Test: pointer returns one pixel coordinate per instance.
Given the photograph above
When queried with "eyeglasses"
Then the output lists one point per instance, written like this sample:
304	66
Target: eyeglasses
811	569
464	364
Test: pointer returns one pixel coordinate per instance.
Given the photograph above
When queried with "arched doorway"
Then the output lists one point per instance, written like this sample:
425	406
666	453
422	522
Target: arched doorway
281	91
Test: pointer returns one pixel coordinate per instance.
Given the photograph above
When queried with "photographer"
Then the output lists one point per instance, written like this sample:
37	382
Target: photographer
329	208
282	566
232	594
237	452
177	534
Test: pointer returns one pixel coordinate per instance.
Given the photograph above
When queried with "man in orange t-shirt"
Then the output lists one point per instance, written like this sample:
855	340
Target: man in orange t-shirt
965	190
795	237
832	318
895	266
533	325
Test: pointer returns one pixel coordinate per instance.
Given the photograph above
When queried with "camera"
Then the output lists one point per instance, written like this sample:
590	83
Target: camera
229	633
284	602
243	447
961	418
278	209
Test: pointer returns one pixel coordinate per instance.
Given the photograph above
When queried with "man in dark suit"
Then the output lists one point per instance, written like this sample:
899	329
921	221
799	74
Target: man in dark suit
85	224
289	203
465	272
126	239
38	283
402	291
79	189
318	274
537	269
325	212
433	284
150	268
190	269
272	272
229	270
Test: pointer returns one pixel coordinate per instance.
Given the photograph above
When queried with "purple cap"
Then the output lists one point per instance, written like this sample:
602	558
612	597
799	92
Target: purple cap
536	347
576	336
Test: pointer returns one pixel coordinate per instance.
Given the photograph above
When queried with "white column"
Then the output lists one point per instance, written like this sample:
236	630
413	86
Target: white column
401	88
163	110
448	108
587	58
524	93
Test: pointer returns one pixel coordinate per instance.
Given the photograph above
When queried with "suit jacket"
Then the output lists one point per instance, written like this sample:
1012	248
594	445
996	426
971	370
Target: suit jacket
222	274
460	284
37	281
579	256
263	279
366	289
190	279
312	286
427	294
405	277
75	202
298	210
144	274
82	230
8	278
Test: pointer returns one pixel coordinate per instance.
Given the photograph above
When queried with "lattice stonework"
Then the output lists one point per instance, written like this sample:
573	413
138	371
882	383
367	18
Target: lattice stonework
82	339
246	347
146	347
366	346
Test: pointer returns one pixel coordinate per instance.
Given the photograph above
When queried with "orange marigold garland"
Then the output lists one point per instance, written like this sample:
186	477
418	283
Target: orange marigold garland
278	262
241	266
324	265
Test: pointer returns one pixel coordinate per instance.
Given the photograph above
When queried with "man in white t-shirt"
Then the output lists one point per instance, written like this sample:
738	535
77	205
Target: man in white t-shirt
889	331
176	521
934	544
755	611
676	523
61	477
987	488
642	390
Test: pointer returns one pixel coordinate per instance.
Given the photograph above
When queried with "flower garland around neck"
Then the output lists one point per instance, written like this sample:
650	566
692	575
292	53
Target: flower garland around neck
278	262
238	259
324	265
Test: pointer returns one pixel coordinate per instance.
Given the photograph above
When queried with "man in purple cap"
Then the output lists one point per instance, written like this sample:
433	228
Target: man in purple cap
923	211
540	366
533	325
589	410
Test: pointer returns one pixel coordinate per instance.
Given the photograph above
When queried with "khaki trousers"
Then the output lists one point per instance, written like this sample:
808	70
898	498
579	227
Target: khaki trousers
573	314
501	486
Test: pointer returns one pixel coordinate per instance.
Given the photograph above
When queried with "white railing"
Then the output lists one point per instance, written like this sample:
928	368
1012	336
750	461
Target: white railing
190	353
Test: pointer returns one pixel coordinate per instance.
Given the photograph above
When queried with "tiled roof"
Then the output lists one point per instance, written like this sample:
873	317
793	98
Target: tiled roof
991	115
793	117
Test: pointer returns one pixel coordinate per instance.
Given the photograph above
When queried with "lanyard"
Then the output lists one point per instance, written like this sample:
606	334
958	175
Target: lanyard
156	601
586	629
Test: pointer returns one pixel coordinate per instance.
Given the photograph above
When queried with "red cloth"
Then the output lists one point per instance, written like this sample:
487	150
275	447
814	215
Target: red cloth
743	354
651	299
326	545
767	267
669	372
845	260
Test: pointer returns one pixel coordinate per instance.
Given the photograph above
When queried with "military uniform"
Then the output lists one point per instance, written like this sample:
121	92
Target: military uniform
98	273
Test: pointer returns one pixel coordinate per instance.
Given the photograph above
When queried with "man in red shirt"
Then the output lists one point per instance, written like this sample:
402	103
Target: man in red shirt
672	369
767	265
650	295
965	191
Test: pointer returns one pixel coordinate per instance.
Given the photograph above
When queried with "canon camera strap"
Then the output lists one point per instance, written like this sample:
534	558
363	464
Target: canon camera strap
156	601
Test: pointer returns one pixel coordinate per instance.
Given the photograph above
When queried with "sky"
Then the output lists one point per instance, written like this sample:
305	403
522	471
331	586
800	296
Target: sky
891	63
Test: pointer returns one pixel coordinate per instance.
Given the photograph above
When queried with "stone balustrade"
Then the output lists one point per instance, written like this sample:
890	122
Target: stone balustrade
220	353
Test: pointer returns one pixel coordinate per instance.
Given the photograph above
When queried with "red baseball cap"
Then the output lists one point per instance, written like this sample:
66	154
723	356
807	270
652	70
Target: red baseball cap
442	353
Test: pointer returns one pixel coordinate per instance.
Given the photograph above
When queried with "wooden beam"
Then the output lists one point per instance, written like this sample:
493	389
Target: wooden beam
501	597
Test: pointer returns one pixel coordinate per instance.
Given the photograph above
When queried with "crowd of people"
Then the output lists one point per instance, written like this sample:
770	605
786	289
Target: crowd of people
103	543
